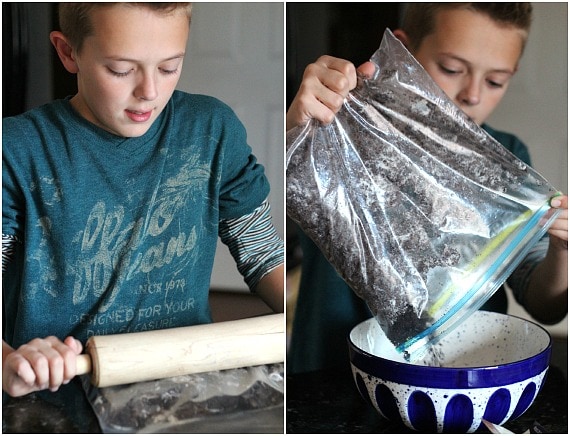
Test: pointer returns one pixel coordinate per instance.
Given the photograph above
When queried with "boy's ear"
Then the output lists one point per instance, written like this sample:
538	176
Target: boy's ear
402	36
64	51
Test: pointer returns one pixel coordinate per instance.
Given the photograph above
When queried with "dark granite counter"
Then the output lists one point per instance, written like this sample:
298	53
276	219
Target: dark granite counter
317	402
64	411
328	402
242	400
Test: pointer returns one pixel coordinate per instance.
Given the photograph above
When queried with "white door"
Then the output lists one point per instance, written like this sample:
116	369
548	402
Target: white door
235	53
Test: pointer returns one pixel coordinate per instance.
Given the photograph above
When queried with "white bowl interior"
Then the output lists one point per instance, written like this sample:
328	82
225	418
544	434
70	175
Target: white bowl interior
483	339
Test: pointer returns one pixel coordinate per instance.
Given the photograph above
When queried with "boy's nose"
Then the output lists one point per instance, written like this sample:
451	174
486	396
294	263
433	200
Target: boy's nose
146	90
470	93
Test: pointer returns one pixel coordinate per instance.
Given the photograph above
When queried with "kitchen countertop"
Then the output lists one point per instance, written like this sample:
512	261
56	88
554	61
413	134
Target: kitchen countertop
316	402
328	402
64	411
243	400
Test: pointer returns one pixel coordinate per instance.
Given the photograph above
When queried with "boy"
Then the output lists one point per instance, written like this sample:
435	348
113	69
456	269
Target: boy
113	199
471	50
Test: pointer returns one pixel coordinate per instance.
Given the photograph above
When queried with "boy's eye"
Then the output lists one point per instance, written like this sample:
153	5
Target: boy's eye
447	70
494	84
119	73
167	71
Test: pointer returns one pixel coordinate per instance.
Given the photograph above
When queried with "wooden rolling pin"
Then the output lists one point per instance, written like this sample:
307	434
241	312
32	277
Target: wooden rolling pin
135	357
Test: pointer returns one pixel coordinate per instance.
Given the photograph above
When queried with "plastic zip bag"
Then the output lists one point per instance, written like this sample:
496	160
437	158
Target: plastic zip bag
239	400
419	210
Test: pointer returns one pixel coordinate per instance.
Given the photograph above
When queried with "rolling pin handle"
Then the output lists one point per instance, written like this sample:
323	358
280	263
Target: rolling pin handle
83	364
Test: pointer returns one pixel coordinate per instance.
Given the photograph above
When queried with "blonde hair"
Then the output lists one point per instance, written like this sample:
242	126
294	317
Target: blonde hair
75	18
419	18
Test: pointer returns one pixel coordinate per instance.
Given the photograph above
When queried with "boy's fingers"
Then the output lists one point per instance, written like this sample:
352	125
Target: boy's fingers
336	74
559	227
52	361
23	370
346	68
48	366
41	364
62	365
559	202
557	205
326	95
74	344
318	76
70	358
367	69
40	367
62	361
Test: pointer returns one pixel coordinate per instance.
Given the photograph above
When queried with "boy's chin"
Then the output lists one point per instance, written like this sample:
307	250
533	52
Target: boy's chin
132	131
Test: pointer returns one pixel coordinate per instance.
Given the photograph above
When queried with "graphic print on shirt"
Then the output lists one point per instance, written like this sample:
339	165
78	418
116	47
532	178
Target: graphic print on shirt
131	255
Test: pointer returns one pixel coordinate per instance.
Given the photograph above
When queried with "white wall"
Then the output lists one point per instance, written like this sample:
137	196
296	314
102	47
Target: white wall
535	107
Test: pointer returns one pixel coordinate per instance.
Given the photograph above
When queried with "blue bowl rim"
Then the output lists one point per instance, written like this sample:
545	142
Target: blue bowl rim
451	378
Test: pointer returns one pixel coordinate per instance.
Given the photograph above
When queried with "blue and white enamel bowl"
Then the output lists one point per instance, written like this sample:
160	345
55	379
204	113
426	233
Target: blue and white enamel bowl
492	366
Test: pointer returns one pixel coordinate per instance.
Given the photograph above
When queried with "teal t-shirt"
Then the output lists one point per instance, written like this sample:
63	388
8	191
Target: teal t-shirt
119	234
327	309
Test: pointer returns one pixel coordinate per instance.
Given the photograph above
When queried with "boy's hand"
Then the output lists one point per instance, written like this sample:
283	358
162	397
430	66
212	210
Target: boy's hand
40	364
559	229
325	85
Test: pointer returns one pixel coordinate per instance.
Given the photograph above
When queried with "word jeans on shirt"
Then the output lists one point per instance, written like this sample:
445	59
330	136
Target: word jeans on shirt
108	246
